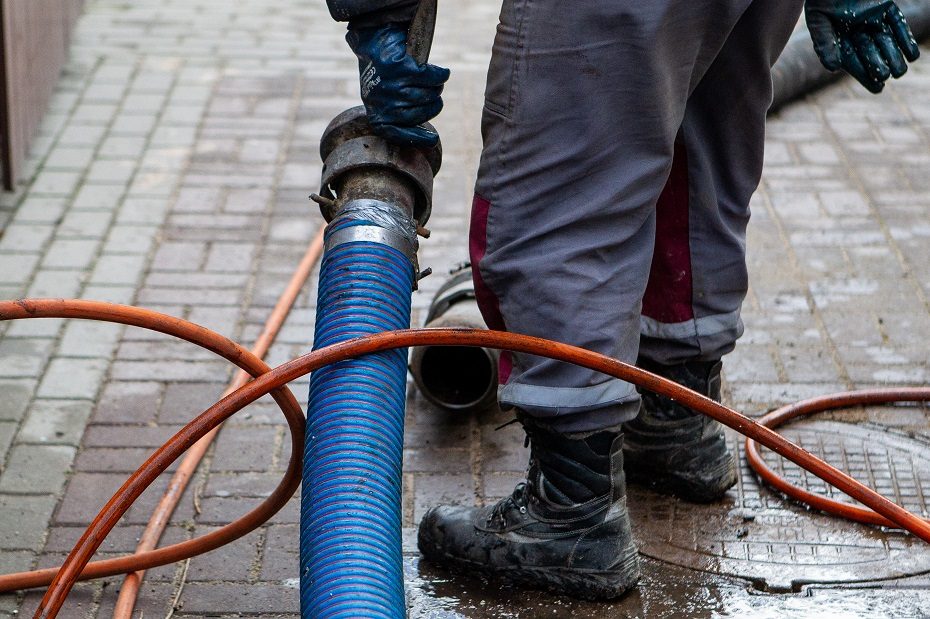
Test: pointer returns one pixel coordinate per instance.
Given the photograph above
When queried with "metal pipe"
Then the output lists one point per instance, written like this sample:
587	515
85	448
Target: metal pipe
457	378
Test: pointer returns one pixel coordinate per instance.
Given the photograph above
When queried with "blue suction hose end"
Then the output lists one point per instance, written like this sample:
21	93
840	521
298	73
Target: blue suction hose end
350	531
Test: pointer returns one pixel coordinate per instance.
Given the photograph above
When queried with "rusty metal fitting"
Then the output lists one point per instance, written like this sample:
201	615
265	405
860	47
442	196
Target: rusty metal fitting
359	164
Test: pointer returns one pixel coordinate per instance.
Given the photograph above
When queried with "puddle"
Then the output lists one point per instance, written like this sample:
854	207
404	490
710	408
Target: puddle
665	591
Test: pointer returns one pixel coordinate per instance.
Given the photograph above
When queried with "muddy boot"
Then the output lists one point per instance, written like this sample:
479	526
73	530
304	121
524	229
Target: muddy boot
566	529
673	449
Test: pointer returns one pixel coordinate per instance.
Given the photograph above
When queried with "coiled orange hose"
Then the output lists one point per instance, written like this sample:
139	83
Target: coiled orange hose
272	381
817	405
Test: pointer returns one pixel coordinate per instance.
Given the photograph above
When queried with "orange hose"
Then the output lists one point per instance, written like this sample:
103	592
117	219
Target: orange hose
95	310
74	566
129	592
816	405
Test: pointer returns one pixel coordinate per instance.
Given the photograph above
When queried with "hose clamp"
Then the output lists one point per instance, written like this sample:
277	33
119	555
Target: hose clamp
372	234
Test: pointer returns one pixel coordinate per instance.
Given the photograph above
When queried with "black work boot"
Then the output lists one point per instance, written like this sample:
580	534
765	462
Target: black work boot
566	529
673	449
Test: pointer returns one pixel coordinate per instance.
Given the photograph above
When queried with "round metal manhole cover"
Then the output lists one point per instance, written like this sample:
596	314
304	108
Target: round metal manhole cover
757	534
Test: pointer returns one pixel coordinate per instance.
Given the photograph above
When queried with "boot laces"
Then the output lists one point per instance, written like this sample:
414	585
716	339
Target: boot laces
518	500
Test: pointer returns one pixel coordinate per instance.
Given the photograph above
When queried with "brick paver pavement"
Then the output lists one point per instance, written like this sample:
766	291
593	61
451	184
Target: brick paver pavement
172	172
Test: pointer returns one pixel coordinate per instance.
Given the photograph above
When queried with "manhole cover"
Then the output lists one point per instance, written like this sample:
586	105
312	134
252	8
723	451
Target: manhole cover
756	534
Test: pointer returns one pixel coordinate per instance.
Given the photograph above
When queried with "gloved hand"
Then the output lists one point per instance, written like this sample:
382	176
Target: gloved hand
869	39
398	93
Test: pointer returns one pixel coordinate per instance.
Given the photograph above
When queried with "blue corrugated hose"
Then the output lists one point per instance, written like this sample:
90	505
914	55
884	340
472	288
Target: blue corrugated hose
350	517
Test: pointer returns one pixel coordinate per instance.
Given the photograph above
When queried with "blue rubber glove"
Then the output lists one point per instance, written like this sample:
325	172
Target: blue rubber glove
398	93
869	39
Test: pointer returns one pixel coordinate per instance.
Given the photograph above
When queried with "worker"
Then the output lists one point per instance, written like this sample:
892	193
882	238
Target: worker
622	144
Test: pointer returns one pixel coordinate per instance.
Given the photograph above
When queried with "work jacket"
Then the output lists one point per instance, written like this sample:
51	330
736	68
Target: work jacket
363	13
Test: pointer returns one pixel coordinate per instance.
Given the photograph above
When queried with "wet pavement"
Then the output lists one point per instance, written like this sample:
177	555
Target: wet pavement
172	172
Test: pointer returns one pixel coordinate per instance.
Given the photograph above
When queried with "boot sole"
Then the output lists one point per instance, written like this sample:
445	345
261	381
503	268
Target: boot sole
577	583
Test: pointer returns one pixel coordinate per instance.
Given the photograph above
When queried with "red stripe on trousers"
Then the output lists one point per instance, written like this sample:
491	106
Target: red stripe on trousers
488	302
668	296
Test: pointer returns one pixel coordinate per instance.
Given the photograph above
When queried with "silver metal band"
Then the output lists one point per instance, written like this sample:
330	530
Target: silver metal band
461	290
372	234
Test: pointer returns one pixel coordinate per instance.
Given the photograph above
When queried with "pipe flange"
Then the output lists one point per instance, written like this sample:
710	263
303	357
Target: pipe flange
457	288
353	123
372	153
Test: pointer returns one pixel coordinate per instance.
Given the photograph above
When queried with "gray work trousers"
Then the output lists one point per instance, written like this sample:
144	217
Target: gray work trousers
622	143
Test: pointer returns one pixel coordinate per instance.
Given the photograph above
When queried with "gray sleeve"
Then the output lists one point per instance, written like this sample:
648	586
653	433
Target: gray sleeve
362	13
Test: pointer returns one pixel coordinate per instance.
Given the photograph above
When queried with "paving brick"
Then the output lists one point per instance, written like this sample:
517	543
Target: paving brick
190	371
89	339
47	327
83	225
436	461
244	449
119	270
173	256
88	492
55	422
127	402
124	147
80	602
109	293
24	521
37	469
431	490
183	401
142	211
223	320
233	562
244	484
198	200
56	183
114	460
24	358
25	237
127	435
111	171
122	539
133	124
177	136
17	268
220	510
93	113
200	298
99	196
70	254
246	200
154	184
7	432
105	91
72	379
154	599
15	562
230	257
70	158
49	283
281	554
130	239
40	210
200	598
16	395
